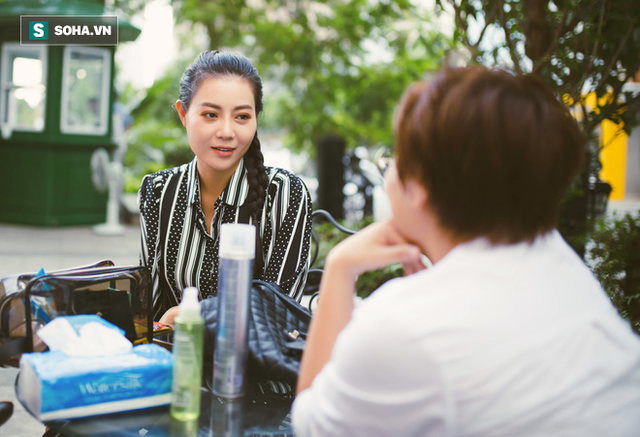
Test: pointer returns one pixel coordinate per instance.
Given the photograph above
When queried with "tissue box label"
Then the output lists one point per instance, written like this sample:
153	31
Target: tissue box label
115	384
105	387
78	383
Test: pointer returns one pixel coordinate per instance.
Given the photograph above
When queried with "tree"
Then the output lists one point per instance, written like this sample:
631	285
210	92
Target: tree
579	47
329	67
342	65
615	260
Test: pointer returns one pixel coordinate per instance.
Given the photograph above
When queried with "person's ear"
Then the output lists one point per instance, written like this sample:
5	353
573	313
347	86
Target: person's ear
417	194
182	112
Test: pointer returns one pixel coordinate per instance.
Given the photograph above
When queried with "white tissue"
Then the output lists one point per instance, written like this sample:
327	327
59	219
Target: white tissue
91	339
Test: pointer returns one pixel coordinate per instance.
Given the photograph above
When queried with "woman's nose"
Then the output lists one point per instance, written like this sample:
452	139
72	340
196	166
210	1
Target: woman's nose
225	129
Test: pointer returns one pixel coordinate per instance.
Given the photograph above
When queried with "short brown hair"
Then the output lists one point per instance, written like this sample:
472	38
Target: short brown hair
494	151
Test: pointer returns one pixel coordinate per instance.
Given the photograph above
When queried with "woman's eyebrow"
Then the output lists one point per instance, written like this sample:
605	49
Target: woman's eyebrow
215	106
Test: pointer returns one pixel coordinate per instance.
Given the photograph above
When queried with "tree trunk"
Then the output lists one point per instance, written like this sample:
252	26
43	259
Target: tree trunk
536	29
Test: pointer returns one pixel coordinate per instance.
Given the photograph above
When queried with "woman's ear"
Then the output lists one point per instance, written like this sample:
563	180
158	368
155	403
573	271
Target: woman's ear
182	112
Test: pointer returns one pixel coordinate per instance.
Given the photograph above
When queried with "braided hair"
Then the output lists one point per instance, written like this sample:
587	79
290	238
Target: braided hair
214	63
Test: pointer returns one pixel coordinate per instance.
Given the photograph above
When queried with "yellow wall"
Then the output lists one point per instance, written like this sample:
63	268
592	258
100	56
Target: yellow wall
613	155
614	158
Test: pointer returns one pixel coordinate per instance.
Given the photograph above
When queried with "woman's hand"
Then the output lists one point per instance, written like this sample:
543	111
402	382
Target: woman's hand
168	318
374	247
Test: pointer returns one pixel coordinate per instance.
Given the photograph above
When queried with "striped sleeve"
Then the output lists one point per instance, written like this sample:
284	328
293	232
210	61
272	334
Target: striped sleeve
153	192
148	226
287	257
148	204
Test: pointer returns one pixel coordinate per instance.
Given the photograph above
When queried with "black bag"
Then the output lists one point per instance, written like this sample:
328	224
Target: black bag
120	295
278	327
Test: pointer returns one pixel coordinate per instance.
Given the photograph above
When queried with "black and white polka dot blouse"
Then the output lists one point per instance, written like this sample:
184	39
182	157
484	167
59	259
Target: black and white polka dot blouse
186	254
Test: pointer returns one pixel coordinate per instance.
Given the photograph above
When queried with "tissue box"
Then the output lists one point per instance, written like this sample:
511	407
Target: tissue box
55	386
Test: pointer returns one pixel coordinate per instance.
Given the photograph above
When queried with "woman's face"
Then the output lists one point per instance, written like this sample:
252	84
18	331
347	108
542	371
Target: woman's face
221	123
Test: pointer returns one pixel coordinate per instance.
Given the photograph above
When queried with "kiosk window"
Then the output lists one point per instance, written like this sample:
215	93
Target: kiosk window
22	88
85	90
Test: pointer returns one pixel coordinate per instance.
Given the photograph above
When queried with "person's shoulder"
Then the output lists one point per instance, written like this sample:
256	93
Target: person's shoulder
165	173
281	176
278	172
160	177
153	184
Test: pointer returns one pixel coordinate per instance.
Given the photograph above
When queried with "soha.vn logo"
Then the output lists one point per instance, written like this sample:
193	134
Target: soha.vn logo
38	30
82	30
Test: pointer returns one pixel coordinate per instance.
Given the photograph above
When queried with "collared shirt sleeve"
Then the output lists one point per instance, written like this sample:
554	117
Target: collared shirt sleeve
148	208
288	209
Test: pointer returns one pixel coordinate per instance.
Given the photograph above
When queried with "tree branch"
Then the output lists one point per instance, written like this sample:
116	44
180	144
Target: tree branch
554	43
577	89
507	33
460	23
488	20
615	57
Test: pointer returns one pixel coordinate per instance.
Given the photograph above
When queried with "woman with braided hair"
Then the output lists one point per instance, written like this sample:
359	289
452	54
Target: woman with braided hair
182	209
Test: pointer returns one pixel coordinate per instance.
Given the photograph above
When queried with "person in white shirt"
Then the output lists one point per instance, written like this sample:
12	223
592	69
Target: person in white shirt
509	333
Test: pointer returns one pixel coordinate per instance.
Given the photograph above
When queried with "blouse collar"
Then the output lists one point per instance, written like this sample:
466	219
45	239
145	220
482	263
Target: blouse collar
234	194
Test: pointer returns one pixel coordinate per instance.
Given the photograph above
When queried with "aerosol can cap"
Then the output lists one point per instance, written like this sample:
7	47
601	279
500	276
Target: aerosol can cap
237	241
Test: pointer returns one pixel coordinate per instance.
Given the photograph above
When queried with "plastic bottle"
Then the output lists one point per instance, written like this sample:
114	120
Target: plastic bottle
187	358
237	251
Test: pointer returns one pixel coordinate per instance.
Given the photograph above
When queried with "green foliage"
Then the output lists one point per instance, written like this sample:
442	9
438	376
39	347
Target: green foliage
342	65
615	257
578	47
157	139
150	145
371	281
328	236
328	67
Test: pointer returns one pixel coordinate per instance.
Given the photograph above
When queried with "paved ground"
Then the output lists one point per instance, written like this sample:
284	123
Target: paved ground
620	207
27	249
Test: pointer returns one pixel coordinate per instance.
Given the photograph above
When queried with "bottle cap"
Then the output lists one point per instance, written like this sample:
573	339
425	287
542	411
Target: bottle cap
237	241
189	306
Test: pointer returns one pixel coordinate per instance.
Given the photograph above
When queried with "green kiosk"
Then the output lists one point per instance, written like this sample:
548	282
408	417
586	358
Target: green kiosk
55	112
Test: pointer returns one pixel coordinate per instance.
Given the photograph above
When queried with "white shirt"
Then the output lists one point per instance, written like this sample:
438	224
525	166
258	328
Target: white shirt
515	340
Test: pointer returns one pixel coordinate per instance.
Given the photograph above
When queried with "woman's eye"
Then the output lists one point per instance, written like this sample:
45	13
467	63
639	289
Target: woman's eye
244	117
210	114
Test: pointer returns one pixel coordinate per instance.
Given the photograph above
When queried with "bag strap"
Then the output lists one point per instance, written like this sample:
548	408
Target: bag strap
22	344
14	347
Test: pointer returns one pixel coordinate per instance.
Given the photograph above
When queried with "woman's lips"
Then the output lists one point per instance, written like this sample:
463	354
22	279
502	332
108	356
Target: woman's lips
223	151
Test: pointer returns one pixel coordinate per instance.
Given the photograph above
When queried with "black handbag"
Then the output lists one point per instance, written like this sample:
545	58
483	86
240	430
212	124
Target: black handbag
278	327
120	295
